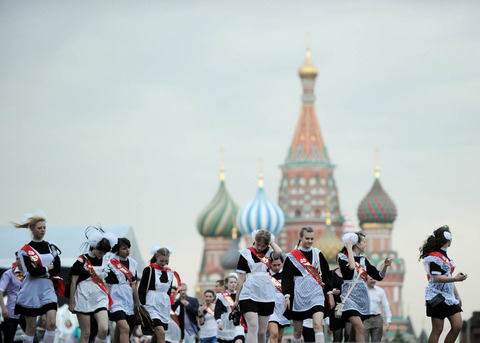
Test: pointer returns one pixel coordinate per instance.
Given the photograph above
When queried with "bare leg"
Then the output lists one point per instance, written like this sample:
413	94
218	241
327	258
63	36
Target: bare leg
102	322
159	334
317	327
50	325
122	330
456	327
274	332
297	330
31	325
437	328
280	334
357	332
84	322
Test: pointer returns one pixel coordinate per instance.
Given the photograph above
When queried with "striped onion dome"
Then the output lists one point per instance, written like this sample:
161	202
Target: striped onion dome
329	243
260	213
218	218
377	207
229	259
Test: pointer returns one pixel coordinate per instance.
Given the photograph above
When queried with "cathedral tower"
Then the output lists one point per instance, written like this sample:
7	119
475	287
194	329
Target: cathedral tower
307	189
215	223
376	214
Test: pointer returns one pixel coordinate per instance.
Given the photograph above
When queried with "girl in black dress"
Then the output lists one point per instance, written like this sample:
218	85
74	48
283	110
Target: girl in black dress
440	268
89	295
307	286
353	263
41	264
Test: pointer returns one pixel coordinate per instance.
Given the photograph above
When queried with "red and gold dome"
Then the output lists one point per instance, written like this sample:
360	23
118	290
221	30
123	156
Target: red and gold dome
377	206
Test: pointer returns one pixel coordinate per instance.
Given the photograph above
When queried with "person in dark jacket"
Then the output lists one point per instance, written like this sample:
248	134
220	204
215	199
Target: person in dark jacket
188	315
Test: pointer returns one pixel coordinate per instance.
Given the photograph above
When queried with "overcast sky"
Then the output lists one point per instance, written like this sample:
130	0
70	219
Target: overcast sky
115	113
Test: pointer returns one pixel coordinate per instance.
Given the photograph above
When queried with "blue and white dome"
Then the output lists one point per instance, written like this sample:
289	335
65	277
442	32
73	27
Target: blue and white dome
260	213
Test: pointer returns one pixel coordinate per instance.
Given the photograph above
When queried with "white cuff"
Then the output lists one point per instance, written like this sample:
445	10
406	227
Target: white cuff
287	296
219	321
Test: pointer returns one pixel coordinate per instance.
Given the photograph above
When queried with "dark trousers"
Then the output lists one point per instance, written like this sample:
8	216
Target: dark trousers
9	328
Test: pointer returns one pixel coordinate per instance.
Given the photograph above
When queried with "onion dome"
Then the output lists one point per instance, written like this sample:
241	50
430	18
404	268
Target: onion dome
329	243
229	259
377	207
260	213
308	70
218	218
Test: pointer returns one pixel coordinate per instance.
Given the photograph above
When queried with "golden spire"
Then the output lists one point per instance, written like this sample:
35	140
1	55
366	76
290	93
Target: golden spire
308	70
260	174
234	233
328	220
377	168
222	168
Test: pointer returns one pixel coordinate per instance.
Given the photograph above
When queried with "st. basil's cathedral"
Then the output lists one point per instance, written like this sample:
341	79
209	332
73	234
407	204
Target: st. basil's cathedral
308	196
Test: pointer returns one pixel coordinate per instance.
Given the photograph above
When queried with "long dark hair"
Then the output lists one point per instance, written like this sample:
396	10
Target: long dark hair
209	291
103	246
121	242
434	242
359	234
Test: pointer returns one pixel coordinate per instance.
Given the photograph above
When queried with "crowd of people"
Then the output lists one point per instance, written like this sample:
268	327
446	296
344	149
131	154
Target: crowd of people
270	290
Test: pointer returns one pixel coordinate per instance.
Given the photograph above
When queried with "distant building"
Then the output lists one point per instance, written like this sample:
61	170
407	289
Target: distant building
308	192
216	224
308	196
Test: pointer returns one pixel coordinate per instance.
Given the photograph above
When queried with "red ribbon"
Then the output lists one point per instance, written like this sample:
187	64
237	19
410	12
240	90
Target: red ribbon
230	302
444	259
210	311
300	257
128	274
100	283
175	274
277	284
174	317
57	280
363	273
265	260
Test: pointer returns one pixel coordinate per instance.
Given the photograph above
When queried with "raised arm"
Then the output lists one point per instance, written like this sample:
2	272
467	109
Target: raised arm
277	251
241	279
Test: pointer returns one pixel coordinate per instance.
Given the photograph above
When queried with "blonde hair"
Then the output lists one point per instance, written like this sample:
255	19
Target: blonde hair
263	236
159	252
30	222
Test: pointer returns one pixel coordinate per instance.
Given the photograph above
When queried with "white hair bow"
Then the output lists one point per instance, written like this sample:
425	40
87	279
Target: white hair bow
349	235
97	235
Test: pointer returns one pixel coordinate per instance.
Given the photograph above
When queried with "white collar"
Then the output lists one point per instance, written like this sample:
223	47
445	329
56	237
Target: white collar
303	249
121	258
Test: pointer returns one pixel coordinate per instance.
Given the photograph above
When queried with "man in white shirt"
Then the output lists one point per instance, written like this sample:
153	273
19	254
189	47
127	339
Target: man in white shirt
374	324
